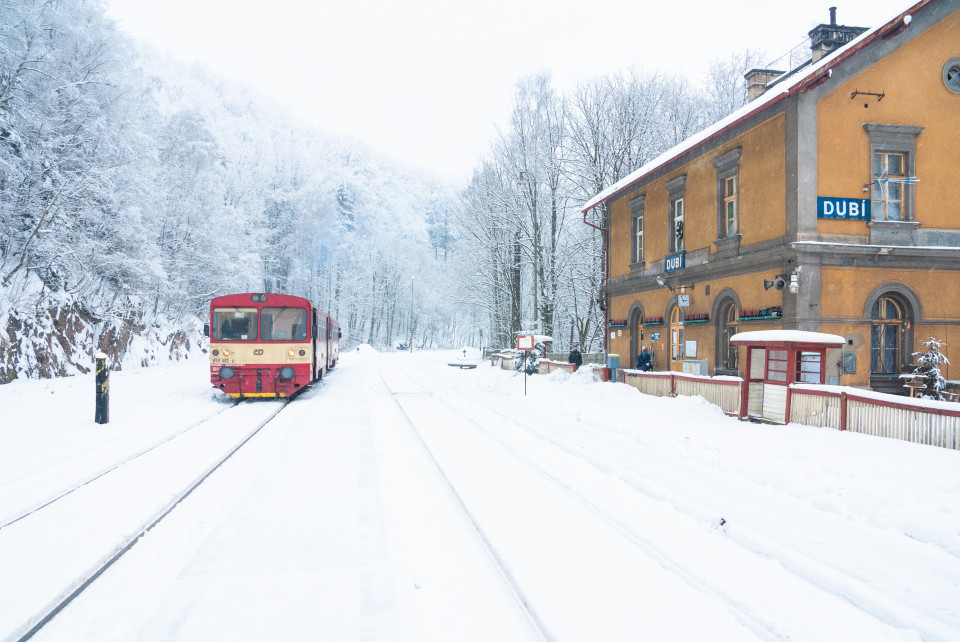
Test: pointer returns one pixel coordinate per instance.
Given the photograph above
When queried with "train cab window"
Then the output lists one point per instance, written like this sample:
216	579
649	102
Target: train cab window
234	324
283	324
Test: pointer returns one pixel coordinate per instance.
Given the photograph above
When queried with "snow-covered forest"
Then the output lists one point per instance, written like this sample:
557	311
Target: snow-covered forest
134	188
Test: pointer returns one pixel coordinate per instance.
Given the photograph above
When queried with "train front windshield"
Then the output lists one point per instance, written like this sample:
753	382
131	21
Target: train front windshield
234	324
283	324
275	324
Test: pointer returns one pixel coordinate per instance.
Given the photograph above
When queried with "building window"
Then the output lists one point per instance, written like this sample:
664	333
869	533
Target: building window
886	336
676	233
730	206
676	336
951	75
677	216
889	183
730	325
728	193
893	171
636	229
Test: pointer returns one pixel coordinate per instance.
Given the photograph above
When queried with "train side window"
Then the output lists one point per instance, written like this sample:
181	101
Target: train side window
234	324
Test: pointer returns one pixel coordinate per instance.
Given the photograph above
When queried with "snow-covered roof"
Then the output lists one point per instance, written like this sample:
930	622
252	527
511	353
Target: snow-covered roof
773	95
787	336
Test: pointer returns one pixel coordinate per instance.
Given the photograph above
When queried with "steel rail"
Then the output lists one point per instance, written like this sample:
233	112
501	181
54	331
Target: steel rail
95	476
150	523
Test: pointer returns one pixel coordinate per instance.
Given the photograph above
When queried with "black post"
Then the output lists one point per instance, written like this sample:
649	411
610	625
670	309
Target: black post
103	390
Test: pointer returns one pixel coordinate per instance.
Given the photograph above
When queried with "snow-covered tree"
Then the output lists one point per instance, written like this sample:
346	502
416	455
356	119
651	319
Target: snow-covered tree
927	362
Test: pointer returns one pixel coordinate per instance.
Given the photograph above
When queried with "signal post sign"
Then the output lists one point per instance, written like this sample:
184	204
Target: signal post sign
525	342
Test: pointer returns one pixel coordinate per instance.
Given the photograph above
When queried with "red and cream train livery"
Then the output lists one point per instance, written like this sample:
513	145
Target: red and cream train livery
269	345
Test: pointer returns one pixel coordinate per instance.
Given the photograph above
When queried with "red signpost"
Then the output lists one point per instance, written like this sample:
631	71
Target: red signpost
525	344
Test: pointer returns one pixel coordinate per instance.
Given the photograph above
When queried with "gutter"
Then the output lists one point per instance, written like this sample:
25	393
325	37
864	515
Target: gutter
606	272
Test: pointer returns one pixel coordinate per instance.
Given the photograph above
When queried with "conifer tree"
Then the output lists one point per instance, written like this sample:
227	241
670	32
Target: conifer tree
927	363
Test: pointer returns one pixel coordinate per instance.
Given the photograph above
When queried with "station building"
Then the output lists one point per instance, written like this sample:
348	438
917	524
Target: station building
829	203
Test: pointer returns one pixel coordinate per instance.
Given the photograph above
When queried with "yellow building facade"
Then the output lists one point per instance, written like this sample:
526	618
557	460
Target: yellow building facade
828	203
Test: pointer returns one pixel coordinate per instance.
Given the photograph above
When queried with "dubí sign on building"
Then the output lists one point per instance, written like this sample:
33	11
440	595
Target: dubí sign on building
851	209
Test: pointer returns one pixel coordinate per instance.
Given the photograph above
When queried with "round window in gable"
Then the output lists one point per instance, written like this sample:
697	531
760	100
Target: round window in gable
951	75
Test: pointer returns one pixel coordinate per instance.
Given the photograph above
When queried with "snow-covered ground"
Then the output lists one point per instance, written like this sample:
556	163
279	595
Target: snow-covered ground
404	499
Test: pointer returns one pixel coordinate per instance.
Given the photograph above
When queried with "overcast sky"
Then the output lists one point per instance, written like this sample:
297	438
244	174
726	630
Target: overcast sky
428	81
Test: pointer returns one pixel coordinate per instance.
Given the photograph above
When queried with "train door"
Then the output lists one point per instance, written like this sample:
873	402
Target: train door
313	339
329	340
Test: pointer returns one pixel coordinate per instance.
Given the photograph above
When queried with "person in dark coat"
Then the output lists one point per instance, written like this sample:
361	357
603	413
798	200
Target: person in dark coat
644	359
575	357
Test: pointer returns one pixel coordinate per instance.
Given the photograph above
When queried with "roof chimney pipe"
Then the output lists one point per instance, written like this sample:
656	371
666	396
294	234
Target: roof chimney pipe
825	39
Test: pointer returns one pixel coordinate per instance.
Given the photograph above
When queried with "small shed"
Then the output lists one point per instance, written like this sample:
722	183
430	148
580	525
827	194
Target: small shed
777	358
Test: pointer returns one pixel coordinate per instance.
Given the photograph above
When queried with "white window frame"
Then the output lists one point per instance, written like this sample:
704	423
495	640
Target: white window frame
728	166
679	231
894	139
676	214
730	199
636	229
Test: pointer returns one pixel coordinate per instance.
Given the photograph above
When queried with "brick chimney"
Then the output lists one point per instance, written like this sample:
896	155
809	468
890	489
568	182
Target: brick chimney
757	80
825	39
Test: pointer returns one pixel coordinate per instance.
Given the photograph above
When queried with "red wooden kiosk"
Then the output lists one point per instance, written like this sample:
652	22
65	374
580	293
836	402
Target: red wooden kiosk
777	358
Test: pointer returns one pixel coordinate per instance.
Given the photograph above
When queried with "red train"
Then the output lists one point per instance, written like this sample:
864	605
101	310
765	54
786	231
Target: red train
269	345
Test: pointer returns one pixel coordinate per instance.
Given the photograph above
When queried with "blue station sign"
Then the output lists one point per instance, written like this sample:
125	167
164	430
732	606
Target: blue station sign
674	262
848	209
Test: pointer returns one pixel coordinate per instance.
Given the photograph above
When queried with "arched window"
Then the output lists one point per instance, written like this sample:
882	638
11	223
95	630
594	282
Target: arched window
726	323
676	337
729	325
886	336
892	311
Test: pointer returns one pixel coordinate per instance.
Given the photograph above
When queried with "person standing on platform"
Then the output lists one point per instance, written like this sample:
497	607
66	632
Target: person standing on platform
575	357
644	359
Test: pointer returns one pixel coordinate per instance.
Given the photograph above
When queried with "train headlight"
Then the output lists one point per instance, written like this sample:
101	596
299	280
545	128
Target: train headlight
286	373
226	372
226	352
291	353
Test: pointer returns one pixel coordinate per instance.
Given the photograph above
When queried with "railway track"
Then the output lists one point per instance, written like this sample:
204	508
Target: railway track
759	627
32	621
748	543
740	523
537	627
92	477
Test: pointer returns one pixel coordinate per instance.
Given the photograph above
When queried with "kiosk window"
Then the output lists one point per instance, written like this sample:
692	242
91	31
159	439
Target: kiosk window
809	367
777	366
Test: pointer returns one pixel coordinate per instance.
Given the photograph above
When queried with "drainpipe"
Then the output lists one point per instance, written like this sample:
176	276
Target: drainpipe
606	273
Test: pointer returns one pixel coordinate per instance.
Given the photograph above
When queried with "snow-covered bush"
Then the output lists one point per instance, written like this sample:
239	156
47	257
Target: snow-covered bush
927	363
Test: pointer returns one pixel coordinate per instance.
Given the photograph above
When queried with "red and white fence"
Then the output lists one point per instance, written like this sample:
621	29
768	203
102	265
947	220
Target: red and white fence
921	421
935	423
720	391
